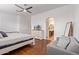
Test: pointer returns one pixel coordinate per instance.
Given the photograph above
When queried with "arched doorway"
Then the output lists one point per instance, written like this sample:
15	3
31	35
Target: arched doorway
50	28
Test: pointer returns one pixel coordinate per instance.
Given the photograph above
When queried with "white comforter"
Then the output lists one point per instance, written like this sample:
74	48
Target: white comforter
13	38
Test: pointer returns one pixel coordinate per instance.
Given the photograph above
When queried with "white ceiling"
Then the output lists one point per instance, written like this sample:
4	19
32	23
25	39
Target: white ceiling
37	8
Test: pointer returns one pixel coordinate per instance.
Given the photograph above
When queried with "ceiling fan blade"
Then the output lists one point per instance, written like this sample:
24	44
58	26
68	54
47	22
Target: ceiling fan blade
29	11
28	8
19	6
19	11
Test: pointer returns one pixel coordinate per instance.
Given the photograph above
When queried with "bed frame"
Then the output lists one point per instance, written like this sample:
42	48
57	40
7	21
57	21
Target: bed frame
16	46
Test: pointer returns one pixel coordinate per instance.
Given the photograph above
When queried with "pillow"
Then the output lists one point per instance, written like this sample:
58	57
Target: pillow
73	46
3	34
63	42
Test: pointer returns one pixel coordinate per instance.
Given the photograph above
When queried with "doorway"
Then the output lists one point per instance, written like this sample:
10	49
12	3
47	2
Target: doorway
50	28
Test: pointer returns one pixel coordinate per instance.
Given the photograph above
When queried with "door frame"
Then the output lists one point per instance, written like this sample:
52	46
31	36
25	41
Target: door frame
47	27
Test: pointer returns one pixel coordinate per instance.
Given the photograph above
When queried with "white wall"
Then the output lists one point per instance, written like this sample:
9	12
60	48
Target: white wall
24	23
76	22
8	22
61	16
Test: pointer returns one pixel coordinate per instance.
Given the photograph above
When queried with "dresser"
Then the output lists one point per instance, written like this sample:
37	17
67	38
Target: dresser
38	34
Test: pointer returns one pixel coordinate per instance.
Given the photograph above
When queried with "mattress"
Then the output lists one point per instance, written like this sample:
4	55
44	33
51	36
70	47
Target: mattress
10	48
13	38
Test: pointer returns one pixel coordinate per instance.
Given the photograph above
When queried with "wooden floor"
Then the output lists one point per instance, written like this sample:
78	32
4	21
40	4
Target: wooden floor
40	48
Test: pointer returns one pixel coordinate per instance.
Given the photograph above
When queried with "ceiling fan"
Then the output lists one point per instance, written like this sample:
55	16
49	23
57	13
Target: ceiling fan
23	9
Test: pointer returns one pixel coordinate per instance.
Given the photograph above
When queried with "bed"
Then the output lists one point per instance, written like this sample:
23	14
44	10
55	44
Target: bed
14	41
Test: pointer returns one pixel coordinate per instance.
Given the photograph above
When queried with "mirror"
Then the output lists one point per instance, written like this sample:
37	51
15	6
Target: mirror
68	29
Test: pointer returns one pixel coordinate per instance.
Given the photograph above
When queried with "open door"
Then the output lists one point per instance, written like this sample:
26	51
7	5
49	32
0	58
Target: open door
50	28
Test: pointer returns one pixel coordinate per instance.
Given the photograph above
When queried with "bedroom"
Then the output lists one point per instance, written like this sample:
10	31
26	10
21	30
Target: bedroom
17	21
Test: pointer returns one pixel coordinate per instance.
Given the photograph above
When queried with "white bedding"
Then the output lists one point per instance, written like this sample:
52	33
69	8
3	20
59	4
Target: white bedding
13	38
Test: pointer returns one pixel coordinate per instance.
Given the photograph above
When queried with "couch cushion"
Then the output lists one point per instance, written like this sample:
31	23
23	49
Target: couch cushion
63	42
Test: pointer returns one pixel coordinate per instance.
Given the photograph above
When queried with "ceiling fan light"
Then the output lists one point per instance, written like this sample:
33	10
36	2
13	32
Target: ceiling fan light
24	10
